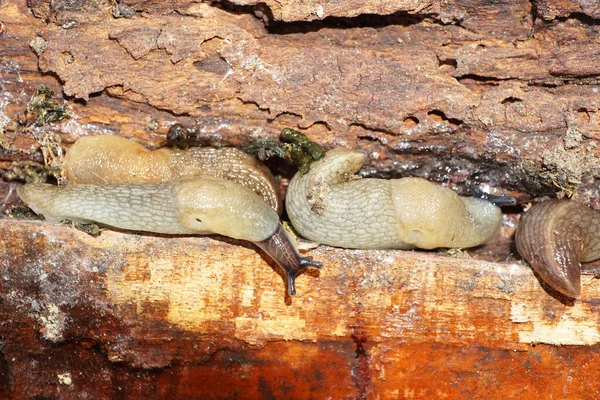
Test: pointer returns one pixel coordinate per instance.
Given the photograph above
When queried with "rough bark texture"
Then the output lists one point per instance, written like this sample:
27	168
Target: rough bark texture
501	96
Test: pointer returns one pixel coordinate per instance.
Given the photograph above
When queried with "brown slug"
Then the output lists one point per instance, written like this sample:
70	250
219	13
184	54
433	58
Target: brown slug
555	236
201	205
331	205
102	159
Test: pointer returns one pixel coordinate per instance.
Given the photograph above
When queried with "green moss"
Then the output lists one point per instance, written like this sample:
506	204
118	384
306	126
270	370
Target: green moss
23	212
45	109
540	183
293	147
91	229
300	151
265	149
26	171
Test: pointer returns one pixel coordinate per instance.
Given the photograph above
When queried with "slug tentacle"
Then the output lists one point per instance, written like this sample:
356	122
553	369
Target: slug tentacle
112	159
330	205
555	237
279	246
201	205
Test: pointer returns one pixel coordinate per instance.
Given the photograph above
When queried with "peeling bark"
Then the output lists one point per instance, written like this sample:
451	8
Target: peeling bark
419	91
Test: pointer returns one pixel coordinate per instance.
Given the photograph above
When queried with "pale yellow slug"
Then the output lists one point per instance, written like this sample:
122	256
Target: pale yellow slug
112	159
201	205
331	205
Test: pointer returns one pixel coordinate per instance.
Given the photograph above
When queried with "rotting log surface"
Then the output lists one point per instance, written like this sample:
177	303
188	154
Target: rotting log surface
502	94
204	316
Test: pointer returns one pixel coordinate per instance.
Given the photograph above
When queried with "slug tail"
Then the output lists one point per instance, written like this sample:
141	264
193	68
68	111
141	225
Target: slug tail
280	247
548	240
560	267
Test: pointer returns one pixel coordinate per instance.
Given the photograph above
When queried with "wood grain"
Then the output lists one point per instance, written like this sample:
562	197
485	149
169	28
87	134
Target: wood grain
157	302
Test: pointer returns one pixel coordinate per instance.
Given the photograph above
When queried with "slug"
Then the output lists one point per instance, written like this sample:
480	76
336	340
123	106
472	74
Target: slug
331	205
102	159
193	206
555	237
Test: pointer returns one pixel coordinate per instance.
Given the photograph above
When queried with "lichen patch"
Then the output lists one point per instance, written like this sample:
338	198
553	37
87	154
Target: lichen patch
572	137
570	164
65	379
53	323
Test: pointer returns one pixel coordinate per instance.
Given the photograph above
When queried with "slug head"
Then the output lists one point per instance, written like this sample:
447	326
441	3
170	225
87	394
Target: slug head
433	216
212	205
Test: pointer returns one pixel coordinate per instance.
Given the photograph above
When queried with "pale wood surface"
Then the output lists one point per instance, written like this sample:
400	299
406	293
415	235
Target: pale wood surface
159	302
228	289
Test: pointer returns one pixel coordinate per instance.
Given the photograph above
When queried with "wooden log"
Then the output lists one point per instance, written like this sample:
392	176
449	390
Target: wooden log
502	96
443	101
160	303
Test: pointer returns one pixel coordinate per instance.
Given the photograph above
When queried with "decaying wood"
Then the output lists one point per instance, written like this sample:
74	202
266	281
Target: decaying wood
370	321
501	95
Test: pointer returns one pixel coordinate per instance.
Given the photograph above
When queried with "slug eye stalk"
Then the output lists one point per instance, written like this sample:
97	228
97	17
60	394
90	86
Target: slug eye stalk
279	247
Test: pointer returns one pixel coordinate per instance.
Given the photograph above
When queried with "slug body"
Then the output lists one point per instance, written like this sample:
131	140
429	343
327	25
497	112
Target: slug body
201	205
112	159
330	205
555	237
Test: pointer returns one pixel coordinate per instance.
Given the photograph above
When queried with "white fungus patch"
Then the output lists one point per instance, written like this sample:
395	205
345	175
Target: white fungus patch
53	322
65	379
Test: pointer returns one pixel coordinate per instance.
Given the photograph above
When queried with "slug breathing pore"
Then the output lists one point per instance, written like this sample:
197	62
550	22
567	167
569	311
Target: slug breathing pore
331	205
555	237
